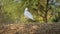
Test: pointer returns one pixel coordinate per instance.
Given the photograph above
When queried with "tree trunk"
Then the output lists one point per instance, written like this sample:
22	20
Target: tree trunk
46	12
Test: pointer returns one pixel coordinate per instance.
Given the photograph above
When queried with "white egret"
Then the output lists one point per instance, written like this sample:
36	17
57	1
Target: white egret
27	14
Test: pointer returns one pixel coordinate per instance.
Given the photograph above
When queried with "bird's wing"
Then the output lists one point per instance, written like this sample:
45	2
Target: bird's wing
28	15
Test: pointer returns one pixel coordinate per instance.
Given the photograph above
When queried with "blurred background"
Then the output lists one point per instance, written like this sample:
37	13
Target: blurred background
43	11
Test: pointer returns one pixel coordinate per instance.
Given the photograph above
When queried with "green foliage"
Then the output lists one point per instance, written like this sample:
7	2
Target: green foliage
14	11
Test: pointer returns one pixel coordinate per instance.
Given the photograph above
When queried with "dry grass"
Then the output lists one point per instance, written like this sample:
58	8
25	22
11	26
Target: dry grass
30	28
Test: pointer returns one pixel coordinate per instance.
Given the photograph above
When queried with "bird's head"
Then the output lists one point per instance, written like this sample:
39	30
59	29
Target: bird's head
26	8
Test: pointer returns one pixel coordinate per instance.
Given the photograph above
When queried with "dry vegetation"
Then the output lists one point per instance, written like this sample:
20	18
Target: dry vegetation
30	29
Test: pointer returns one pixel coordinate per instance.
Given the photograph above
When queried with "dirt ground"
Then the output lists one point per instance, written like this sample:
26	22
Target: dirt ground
30	29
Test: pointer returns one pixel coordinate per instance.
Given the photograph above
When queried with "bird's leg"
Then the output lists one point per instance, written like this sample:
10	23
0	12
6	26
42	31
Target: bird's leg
25	20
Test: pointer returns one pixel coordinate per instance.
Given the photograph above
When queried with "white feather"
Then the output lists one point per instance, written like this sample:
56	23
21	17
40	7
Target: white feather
27	14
